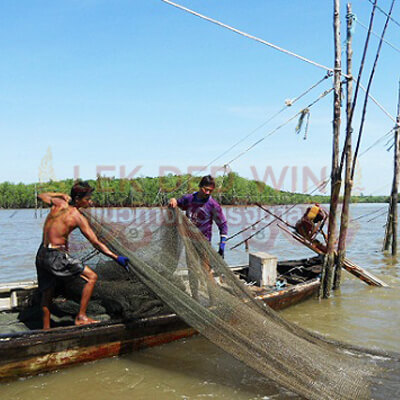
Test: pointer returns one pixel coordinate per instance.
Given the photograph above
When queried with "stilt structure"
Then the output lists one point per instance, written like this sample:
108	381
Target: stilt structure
327	273
391	223
346	156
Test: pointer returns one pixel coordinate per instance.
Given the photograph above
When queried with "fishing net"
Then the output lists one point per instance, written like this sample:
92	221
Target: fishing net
180	268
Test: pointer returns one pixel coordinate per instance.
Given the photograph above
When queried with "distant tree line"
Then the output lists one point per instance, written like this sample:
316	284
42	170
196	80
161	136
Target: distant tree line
149	191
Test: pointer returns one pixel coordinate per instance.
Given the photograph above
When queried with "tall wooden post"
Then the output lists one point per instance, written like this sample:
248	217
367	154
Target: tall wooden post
327	276
387	240
395	188
391	222
36	201
344	222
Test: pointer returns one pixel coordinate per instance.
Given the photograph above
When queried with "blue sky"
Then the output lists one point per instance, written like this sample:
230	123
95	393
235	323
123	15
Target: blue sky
130	83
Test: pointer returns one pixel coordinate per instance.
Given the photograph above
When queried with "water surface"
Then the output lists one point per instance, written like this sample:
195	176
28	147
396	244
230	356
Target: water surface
194	368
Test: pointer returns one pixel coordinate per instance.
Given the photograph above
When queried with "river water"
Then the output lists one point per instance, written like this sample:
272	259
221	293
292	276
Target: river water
194	368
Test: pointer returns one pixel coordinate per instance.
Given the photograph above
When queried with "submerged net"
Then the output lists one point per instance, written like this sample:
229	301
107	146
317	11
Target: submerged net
178	266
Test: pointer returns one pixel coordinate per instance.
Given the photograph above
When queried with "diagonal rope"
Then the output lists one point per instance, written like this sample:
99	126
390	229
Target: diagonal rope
386	135
376	35
214	21
317	187
320	97
273	46
258	128
386	14
289	104
371	77
279	127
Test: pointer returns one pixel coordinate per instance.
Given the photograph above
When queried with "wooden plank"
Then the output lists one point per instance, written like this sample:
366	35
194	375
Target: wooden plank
348	265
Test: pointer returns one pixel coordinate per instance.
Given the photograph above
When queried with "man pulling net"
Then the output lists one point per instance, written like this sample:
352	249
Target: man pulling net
53	261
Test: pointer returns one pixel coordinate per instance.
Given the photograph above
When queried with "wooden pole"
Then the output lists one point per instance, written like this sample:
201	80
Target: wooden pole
348	184
36	201
327	275
395	189
388	228
371	77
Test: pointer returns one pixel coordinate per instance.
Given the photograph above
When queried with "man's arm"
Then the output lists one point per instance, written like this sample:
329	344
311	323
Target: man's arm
182	202
220	220
56	199
87	231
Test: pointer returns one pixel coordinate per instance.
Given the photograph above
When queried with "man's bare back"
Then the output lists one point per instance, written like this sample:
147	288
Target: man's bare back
60	222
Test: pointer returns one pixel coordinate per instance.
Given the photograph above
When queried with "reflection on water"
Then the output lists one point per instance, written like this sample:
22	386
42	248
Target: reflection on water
194	368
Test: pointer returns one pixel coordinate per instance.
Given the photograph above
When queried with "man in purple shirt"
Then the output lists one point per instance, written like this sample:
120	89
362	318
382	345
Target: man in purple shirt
202	210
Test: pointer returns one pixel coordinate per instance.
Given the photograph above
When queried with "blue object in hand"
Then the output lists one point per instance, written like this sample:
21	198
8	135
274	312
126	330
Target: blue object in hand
221	249
123	261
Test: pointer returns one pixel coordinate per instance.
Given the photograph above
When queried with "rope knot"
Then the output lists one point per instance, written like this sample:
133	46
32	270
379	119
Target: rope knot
288	102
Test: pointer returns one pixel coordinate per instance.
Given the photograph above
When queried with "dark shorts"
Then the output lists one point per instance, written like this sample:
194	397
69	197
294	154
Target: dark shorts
52	264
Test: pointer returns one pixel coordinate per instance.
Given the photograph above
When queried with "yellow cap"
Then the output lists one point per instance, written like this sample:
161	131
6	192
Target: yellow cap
314	210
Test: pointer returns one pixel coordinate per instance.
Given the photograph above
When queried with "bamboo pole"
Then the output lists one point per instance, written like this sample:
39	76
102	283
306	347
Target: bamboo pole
36	201
327	273
388	228
348	184
371	77
390	238
395	189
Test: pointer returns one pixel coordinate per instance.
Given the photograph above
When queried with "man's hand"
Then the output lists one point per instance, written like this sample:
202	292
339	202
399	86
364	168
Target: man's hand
221	249
173	203
66	197
123	261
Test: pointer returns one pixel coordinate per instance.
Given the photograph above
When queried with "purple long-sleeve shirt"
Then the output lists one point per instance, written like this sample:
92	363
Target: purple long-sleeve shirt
203	213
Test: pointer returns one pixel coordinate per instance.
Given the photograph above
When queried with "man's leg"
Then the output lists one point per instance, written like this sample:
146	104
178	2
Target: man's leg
90	277
47	298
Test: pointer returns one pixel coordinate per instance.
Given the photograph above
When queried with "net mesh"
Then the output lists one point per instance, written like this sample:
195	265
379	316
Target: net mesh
178	268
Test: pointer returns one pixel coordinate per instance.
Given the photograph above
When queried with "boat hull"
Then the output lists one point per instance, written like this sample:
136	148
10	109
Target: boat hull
34	352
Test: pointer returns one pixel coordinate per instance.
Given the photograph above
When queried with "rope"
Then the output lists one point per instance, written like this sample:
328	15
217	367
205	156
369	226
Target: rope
384	13
330	70
247	228
305	115
376	142
325	93
317	186
367	214
214	21
369	86
376	35
320	97
288	103
259	127
380	215
377	103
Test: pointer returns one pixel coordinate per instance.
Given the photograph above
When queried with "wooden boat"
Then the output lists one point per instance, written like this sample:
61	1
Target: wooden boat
35	351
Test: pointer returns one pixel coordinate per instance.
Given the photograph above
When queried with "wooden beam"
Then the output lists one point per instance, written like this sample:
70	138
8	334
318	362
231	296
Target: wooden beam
348	265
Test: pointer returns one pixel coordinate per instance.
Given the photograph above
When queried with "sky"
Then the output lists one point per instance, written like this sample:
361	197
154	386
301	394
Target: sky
130	88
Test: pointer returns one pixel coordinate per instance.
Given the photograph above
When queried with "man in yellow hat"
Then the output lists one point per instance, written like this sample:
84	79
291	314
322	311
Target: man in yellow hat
311	223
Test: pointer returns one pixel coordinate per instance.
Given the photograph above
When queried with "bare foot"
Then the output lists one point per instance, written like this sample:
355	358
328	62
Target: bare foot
84	320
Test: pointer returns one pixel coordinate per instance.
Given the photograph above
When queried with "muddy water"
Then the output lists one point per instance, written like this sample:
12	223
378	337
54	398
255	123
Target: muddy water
194	368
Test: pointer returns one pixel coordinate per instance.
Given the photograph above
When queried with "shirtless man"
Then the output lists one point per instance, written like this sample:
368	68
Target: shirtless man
53	260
